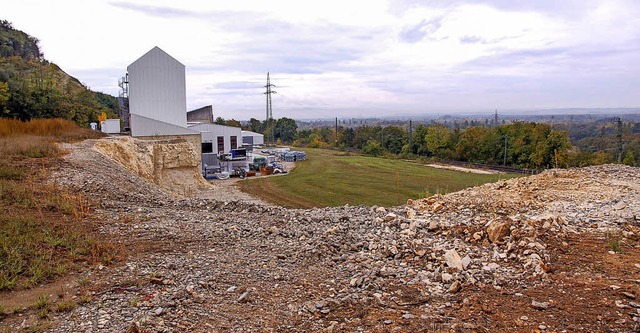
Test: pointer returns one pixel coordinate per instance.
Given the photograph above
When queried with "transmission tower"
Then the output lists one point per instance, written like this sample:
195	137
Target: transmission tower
268	93
619	137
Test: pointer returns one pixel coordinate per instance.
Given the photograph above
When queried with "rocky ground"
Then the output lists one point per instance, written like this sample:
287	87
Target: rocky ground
555	252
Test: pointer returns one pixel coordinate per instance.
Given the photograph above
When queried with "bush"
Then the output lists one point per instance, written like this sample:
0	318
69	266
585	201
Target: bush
629	159
372	148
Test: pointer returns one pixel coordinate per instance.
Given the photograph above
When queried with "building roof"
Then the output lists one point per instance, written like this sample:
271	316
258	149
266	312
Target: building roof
202	127
156	51
249	133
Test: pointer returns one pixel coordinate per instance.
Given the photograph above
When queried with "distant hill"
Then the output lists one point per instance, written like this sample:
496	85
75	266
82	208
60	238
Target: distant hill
32	87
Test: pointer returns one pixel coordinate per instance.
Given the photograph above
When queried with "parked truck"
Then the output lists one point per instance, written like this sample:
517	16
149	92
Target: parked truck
258	162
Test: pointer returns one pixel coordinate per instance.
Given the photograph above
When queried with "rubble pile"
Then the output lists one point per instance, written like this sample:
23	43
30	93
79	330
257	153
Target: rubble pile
207	265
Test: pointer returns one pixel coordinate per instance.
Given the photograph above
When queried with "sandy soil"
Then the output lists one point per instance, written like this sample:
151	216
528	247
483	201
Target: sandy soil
461	169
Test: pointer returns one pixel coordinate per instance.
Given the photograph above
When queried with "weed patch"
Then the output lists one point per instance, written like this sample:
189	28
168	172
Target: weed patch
614	243
42	302
10	172
615	246
65	306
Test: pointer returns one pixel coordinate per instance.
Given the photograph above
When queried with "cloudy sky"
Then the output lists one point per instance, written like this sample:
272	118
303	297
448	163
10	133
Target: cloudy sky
351	58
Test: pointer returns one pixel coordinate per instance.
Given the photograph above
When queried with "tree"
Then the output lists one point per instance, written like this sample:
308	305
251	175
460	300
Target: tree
365	133
4	97
347	137
470	146
233	123
255	125
419	145
220	121
372	148
315	141
394	138
437	141
629	159
285	129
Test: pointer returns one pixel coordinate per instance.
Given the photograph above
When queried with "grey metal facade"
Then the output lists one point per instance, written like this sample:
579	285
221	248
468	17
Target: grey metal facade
202	115
157	91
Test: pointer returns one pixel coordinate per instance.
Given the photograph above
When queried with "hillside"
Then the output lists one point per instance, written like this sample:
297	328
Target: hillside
555	252
32	87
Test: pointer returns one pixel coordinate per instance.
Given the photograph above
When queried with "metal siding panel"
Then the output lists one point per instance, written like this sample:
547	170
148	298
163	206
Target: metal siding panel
157	88
214	130
142	126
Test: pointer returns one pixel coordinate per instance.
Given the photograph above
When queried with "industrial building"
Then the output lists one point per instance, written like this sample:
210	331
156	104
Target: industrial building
251	139
110	126
203	115
157	96
155	91
218	138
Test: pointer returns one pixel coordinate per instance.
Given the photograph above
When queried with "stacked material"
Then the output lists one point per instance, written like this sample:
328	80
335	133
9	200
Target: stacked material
294	156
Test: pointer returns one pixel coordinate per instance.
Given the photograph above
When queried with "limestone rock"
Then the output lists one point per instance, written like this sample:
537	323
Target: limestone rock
498	229
452	258
539	305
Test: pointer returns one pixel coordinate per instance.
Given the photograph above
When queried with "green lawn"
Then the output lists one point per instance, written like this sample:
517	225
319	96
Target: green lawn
332	178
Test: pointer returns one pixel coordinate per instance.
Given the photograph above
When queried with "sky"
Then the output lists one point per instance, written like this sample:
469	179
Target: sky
352	58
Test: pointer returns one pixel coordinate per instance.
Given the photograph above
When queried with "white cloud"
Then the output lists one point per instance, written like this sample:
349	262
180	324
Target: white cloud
338	58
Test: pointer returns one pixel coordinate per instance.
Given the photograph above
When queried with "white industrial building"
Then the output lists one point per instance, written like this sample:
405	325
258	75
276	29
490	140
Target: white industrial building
110	126
252	138
218	138
157	96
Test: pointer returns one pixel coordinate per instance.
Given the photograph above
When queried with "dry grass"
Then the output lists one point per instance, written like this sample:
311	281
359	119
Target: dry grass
61	129
37	137
29	146
45	230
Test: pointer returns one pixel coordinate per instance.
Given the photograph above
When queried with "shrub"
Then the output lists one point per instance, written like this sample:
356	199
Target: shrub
372	148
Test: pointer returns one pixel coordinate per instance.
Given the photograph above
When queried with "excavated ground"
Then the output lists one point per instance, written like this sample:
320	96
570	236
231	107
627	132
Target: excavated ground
555	252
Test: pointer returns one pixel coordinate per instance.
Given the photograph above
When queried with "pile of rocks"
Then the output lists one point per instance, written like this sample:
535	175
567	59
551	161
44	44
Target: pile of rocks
235	266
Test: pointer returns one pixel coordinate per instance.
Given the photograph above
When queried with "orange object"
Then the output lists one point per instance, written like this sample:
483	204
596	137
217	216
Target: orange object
266	171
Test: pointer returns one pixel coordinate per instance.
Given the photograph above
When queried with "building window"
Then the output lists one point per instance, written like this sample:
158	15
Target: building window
207	147
221	144
234	142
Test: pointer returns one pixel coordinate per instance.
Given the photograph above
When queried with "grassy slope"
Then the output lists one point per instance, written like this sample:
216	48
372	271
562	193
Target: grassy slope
330	178
45	230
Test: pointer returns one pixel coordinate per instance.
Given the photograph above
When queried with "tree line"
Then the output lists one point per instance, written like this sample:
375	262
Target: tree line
528	145
519	144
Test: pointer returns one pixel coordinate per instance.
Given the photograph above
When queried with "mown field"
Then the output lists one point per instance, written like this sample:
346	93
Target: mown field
333	178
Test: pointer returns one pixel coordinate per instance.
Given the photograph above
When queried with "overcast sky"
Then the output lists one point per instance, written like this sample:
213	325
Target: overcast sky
355	58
